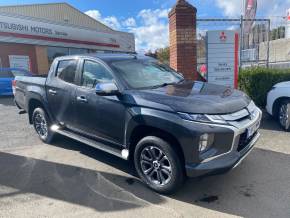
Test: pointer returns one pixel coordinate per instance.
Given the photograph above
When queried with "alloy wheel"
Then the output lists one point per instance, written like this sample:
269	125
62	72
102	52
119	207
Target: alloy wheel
284	115
155	165
40	124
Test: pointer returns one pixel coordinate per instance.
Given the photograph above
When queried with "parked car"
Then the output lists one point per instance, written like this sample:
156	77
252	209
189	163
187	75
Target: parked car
278	104
138	109
7	75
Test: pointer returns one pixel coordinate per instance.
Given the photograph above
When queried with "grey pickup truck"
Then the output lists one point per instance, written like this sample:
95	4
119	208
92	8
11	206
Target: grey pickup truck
140	110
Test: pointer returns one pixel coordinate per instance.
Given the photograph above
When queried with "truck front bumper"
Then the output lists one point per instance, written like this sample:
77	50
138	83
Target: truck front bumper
242	144
221	164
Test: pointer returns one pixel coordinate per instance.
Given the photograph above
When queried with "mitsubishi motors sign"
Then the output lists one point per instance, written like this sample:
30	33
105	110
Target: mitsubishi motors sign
28	30
223	57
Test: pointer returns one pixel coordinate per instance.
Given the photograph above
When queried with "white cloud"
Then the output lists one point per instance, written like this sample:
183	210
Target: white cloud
266	8
94	14
230	8
150	17
153	32
151	37
110	21
130	22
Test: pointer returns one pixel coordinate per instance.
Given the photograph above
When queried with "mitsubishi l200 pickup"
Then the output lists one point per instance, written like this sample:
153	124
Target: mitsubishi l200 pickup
141	110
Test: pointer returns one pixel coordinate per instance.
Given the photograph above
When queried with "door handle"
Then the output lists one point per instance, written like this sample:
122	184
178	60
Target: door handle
52	92
82	99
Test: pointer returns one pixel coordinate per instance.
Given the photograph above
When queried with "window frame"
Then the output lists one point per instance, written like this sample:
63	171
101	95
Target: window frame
76	74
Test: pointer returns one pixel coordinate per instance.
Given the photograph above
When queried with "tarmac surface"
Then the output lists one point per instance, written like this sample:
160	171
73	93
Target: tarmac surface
70	179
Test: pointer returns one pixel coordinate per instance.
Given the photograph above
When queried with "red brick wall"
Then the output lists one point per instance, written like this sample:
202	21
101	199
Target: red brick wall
182	37
7	49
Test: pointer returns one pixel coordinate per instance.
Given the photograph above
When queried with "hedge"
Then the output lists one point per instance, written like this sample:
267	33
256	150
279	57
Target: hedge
257	82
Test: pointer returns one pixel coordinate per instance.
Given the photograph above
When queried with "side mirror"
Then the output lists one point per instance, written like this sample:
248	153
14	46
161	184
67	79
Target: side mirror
107	88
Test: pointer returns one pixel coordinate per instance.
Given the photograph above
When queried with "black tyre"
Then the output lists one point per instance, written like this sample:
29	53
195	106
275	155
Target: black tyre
284	115
158	165
42	125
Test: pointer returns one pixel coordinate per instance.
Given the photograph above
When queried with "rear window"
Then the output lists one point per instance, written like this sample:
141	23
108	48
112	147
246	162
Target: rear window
6	74
66	70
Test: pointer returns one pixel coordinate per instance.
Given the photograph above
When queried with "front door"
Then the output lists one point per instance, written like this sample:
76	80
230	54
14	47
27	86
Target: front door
102	117
61	89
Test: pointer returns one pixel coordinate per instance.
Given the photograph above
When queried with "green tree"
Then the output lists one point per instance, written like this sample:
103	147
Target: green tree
163	55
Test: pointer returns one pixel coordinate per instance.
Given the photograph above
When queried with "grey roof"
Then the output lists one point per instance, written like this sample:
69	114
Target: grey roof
57	12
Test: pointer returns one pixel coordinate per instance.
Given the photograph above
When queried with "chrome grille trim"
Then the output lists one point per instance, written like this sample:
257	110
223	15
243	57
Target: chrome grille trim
242	114
236	116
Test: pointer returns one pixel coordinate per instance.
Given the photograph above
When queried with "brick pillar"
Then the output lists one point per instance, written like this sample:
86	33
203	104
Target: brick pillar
182	37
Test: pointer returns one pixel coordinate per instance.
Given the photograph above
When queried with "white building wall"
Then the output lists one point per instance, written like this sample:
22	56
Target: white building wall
279	50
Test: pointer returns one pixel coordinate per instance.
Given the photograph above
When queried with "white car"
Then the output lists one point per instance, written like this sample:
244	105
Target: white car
278	103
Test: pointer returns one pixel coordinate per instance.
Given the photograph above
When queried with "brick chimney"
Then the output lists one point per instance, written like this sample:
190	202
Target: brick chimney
182	37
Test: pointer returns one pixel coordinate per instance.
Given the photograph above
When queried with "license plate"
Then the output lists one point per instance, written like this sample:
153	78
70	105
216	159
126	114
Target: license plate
252	129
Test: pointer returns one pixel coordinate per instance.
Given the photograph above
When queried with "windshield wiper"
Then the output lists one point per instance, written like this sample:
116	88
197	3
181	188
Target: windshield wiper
173	83
163	85
167	84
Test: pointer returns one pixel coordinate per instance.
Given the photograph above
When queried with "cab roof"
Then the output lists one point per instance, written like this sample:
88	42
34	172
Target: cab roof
108	57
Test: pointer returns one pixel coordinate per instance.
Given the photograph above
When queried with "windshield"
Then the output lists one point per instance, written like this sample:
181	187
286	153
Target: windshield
145	74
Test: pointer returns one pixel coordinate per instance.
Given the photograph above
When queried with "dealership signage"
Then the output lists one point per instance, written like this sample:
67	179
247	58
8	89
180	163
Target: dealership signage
223	57
19	61
40	32
27	28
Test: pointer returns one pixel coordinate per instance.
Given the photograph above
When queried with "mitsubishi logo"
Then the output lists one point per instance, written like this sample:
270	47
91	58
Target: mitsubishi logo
223	36
252	115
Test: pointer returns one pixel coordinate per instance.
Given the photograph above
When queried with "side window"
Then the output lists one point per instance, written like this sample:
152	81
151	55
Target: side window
66	70
94	73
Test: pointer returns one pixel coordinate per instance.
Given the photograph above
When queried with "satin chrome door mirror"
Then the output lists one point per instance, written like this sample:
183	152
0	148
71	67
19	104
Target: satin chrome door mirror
107	88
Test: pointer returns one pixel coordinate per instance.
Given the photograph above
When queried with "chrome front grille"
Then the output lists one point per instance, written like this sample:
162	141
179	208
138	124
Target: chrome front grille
244	114
237	116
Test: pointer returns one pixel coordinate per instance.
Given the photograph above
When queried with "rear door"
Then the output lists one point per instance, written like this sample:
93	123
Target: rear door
6	78
60	89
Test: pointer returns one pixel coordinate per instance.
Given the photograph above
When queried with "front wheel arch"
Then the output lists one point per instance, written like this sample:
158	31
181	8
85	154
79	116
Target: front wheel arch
277	104
143	131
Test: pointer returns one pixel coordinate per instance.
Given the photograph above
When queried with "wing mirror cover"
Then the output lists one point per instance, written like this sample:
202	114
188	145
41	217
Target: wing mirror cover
107	88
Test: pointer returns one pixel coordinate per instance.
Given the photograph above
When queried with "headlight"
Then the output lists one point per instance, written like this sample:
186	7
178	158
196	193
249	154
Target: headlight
203	118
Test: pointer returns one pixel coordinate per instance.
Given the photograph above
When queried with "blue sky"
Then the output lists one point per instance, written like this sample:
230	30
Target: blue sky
147	19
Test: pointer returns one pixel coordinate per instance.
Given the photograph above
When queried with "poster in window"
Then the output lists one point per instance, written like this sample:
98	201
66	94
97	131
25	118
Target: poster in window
19	61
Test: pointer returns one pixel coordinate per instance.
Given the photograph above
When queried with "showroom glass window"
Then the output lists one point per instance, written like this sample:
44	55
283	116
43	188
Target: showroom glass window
94	73
76	51
54	52
66	70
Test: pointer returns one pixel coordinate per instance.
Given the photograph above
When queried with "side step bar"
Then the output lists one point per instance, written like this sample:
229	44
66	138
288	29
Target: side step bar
124	154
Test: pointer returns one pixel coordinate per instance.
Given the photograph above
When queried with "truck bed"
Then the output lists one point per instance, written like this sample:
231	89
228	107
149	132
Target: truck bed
26	84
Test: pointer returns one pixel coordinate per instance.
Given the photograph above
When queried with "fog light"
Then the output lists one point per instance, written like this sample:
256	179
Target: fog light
205	142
